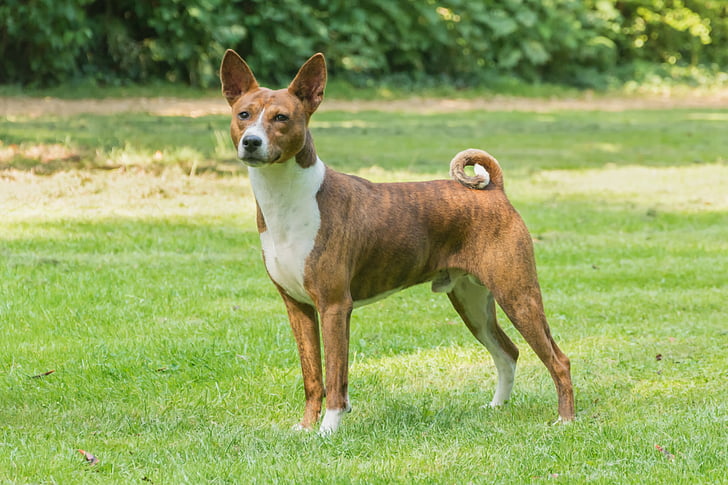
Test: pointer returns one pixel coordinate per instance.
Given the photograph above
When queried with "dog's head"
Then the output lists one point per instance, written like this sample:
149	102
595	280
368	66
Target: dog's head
270	126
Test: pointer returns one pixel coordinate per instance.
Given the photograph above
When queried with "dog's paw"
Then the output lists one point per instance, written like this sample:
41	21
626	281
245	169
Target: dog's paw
562	421
497	403
331	421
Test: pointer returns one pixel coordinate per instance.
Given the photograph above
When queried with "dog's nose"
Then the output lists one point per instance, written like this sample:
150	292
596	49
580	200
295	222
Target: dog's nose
251	143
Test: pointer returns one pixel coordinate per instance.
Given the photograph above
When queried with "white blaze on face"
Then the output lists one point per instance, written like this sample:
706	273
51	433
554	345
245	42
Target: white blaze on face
256	129
286	195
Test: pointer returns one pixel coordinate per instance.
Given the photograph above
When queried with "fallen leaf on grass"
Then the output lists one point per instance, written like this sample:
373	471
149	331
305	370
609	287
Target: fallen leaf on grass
91	459
38	376
667	454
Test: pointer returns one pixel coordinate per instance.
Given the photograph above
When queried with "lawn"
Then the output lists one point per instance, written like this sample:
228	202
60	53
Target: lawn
138	323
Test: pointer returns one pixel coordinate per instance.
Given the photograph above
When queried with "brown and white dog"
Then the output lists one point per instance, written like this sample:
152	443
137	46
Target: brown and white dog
333	241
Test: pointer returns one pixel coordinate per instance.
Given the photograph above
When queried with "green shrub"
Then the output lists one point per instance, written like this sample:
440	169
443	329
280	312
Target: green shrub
408	42
42	41
673	31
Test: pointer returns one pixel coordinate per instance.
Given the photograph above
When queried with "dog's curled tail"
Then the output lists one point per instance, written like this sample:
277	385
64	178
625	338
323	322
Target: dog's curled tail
487	169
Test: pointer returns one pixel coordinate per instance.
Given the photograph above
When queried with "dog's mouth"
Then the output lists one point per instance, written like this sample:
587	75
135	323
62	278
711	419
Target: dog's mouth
255	160
258	162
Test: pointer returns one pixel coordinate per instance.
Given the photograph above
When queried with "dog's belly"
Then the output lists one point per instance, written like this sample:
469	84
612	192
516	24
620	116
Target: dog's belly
371	286
373	298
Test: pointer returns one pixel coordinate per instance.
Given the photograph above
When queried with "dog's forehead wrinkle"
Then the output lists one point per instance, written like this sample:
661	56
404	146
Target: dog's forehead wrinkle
258	97
278	100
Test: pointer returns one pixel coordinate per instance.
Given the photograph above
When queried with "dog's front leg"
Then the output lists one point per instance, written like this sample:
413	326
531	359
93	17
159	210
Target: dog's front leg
306	331
335	326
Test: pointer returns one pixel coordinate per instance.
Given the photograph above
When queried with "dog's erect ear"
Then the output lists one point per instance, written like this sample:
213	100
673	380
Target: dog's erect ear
309	83
237	78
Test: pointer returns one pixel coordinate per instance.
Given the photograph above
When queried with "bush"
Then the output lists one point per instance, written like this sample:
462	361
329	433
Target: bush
673	32
461	42
42	41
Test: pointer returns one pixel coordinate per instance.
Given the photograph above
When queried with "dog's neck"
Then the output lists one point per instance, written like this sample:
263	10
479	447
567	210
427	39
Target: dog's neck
289	216
286	191
307	156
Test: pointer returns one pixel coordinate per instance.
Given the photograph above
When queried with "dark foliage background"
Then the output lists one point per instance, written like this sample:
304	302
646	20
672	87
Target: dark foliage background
408	42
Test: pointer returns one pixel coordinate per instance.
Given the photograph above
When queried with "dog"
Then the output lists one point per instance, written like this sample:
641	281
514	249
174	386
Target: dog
332	242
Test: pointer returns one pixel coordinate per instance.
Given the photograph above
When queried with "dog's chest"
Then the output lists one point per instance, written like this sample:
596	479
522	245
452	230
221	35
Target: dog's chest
286	195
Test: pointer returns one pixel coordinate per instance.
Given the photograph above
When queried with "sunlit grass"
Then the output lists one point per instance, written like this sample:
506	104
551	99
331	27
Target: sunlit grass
691	188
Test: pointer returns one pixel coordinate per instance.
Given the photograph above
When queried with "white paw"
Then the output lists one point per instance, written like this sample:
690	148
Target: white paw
498	402
331	421
562	421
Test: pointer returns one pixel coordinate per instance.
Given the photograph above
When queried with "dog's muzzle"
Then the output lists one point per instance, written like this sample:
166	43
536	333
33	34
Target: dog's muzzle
252	151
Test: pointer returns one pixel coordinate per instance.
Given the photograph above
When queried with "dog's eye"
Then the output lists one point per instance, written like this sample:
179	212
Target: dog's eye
280	117
243	115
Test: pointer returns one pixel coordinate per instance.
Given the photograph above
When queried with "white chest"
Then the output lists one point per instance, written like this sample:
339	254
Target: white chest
286	195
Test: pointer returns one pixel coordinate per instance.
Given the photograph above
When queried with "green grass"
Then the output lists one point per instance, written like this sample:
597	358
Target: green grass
144	290
523	141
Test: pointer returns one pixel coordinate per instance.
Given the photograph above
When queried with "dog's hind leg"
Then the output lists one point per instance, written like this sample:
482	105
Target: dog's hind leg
476	306
519	295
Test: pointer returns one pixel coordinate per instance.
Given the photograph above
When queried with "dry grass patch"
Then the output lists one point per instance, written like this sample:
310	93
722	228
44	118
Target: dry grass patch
122	193
690	188
40	152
